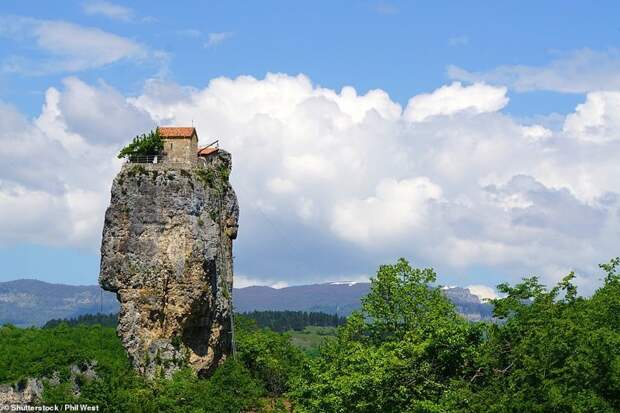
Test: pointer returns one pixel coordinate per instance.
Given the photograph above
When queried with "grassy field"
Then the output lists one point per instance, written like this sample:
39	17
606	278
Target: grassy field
311	337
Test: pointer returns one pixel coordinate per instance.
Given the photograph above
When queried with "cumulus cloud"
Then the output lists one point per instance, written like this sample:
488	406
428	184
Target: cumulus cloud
455	98
532	205
596	120
536	132
66	47
54	182
88	111
578	71
333	183
450	181
402	205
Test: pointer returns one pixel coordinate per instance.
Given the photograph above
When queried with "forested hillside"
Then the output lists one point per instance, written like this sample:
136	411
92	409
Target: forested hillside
279	321
106	320
282	321
406	350
30	302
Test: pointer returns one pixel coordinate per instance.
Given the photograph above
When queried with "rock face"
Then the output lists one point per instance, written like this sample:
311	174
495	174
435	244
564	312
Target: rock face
167	254
26	392
29	391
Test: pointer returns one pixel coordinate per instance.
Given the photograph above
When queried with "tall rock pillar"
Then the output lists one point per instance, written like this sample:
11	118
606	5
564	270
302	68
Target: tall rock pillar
167	254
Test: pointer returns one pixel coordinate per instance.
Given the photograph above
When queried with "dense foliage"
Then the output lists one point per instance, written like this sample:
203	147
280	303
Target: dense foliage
282	321
554	352
34	352
254	380
406	350
270	357
143	145
106	320
397	354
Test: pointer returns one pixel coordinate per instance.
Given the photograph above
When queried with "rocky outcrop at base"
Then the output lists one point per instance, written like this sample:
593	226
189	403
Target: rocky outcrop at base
28	392
25	392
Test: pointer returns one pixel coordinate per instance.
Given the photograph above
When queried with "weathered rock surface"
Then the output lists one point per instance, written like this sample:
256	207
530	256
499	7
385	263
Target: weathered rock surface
26	392
167	254
30	390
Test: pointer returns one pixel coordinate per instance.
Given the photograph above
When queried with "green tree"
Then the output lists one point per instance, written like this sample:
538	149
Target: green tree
269	356
143	145
398	354
552	351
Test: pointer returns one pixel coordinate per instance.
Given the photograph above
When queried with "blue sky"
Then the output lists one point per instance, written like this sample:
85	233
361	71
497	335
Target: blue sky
402	48
537	60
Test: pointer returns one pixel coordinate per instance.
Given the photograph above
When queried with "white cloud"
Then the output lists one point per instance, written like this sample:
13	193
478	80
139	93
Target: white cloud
537	132
596	120
309	166
25	213
54	183
455	98
242	281
101	114
107	9
483	292
382	183
213	39
579	71
66	47
398	207
332	183
280	185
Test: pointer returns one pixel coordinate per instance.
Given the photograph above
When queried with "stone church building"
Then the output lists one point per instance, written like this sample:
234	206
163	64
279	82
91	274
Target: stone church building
181	145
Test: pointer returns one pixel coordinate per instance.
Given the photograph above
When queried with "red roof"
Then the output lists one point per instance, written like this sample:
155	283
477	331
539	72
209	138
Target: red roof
208	150
176	132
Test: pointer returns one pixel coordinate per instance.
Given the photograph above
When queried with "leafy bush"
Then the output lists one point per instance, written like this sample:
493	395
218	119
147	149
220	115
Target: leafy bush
143	145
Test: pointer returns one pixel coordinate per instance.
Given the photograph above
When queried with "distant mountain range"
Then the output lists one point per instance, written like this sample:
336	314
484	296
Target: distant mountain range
32	302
